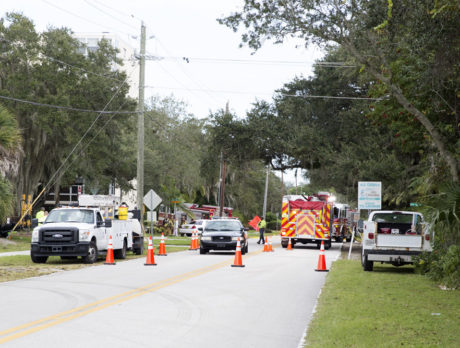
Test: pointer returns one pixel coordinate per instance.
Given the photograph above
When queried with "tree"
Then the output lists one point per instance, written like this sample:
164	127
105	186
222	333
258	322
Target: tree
10	145
46	68
412	54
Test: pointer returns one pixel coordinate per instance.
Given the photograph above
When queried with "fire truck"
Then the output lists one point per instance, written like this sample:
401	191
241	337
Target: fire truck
312	219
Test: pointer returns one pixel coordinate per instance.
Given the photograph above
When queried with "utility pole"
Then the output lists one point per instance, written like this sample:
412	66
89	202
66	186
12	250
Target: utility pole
140	125
222	189
264	212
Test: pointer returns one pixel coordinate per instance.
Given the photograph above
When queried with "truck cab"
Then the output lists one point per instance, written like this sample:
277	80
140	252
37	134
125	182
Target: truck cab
394	237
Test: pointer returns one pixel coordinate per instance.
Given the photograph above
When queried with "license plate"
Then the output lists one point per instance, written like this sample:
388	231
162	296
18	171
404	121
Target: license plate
394	231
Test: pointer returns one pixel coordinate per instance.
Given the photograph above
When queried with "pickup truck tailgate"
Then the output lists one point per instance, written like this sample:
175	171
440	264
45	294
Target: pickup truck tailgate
399	241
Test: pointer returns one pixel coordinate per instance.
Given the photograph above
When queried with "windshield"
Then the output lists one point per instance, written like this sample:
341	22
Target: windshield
396	217
71	215
223	226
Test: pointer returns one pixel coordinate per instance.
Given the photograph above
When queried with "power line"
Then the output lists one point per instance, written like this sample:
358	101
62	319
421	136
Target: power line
107	14
80	17
198	83
69	108
265	93
260	62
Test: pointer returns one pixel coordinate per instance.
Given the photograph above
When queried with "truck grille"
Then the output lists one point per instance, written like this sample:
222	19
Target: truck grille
58	235
221	239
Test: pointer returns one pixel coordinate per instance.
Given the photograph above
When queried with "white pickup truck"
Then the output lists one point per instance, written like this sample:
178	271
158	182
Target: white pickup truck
76	231
393	237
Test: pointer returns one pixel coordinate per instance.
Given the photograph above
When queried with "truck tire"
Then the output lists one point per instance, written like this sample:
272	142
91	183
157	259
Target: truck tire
327	244
92	253
203	251
284	244
368	266
121	253
38	259
138	245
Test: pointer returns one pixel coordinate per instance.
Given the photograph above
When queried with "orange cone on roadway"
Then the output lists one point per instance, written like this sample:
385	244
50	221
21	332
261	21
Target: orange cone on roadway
266	245
238	258
162	251
289	244
109	260
322	260
270	245
197	242
150	256
193	242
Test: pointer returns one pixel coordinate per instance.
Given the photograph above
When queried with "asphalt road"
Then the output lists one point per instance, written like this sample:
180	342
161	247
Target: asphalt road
187	300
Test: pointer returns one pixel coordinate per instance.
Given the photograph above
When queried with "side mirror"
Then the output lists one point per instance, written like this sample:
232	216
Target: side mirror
360	223
108	223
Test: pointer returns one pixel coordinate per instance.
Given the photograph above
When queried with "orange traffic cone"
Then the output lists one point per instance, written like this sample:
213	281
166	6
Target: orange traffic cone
238	259
192	241
322	260
197	242
289	245
150	257
270	246
266	245
162	251
109	258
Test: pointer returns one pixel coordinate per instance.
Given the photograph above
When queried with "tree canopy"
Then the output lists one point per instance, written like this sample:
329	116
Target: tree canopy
408	50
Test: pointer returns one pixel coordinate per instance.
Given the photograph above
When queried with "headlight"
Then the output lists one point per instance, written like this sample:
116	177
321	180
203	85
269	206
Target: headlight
84	235
35	235
236	238
205	238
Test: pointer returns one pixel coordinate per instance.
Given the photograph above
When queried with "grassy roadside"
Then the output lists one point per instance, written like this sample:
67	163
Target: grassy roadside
21	266
386	308
19	241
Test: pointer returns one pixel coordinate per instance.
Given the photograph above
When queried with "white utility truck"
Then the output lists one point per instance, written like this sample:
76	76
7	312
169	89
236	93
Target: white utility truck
84	231
394	237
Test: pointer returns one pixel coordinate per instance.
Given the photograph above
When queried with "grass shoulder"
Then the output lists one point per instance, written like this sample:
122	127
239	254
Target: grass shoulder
385	308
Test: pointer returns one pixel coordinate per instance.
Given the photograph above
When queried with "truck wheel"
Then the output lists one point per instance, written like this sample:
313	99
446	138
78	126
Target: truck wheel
327	245
140	249
92	253
339	239
38	259
368	266
284	244
203	251
121	253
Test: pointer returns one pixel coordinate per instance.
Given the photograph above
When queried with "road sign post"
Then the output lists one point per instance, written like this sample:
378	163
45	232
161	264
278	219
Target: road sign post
151	201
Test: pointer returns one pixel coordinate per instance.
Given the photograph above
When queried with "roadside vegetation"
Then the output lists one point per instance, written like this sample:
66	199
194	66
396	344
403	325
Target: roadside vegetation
21	266
389	307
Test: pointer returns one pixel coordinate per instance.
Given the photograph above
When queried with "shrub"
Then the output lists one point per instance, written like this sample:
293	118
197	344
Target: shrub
443	212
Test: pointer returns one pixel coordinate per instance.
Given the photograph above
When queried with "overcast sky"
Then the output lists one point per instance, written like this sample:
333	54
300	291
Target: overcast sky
218	70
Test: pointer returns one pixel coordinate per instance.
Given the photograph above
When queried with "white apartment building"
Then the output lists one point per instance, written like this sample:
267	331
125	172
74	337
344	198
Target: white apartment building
126	53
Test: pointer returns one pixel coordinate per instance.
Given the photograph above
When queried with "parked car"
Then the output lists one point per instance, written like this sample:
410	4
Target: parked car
187	229
222	234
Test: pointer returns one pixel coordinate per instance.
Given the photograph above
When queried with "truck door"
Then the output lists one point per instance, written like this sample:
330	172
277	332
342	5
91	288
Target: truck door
100	232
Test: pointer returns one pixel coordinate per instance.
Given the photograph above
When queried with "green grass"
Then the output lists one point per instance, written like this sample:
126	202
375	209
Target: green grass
21	266
386	308
19	241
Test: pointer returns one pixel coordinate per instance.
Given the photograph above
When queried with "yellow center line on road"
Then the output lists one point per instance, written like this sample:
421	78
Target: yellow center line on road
44	323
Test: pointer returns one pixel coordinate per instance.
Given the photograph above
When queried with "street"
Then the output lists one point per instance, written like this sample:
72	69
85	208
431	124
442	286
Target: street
187	300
